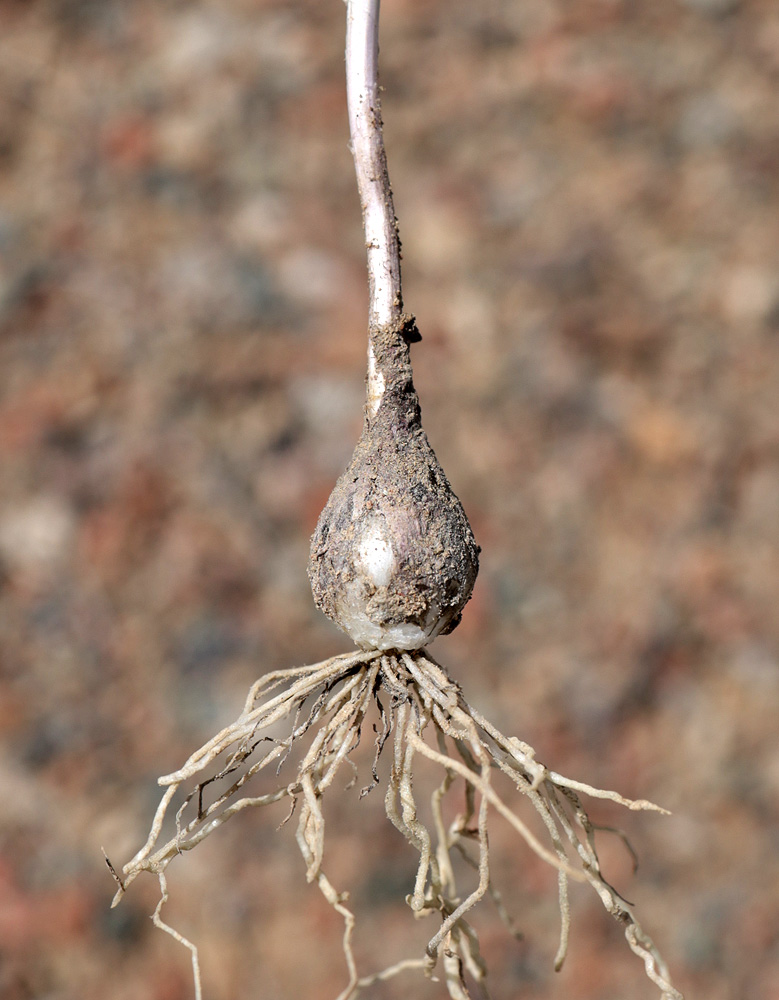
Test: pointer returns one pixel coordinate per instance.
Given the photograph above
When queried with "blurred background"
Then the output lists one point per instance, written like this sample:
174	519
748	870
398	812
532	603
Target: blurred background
588	193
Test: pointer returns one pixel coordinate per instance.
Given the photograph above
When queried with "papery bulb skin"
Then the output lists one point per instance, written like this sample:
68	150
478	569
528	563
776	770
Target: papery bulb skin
393	558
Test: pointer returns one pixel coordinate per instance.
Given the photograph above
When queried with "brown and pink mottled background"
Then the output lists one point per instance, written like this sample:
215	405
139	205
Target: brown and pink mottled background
588	193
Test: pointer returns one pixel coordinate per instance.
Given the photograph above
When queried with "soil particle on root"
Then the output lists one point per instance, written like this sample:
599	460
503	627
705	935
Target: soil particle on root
393	558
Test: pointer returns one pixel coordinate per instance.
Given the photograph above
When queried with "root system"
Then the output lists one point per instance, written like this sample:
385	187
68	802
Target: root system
422	714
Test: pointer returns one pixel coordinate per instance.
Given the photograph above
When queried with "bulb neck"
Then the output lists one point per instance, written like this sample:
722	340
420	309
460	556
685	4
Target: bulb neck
390	381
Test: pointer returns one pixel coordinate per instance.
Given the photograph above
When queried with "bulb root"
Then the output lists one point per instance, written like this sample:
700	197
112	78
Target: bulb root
425	717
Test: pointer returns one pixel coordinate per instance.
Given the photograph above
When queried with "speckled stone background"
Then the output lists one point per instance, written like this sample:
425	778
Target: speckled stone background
588	193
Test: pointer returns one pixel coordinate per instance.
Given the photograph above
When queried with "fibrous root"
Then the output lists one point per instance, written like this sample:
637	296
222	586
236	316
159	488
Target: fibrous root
422	714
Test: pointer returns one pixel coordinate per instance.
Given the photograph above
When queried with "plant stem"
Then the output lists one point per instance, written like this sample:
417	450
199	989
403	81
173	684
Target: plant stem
370	161
389	330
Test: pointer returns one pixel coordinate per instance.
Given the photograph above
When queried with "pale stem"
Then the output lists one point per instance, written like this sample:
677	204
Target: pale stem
370	161
370	164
